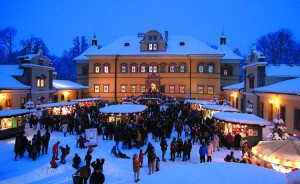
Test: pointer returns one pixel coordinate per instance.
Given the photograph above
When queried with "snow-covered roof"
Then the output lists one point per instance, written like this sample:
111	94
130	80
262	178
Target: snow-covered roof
237	86
87	100
190	46
241	118
37	66
11	70
58	104
27	57
259	55
223	108
202	102
123	108
283	70
8	82
230	56
82	58
67	85
287	87
13	112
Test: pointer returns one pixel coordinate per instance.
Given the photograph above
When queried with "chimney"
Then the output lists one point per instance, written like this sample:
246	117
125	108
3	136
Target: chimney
94	40
166	35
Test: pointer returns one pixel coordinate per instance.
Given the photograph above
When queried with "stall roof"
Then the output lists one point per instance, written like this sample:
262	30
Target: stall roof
58	104
13	112
242	118
123	108
86	100
223	108
202	102
67	85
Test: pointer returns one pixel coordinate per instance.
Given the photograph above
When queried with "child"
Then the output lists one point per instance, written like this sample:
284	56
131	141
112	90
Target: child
141	157
157	165
90	149
136	168
53	163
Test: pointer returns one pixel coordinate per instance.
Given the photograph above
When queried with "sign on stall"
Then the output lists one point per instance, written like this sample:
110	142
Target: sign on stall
91	135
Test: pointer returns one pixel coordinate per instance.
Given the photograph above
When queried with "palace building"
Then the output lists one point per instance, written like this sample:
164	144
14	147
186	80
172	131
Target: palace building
177	66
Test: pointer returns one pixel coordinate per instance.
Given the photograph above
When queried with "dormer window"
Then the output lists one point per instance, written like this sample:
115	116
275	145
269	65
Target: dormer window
40	83
152	46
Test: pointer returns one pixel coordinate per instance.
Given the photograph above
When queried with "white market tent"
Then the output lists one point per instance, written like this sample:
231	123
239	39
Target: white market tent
86	100
281	152
241	118
13	112
123	109
222	108
201	102
58	104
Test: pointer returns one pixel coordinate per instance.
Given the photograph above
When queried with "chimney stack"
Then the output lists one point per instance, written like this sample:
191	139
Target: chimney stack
94	40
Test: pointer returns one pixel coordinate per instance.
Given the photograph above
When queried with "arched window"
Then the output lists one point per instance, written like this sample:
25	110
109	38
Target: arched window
251	80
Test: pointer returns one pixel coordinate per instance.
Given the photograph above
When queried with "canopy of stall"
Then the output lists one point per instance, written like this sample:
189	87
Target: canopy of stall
87	100
58	104
201	102
241	118
123	109
282	152
13	112
222	108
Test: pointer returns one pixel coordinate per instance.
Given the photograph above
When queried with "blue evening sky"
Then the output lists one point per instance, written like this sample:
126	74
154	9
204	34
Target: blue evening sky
58	21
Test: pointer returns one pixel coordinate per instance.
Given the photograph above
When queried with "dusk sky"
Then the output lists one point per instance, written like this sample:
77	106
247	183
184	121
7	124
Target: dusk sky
57	22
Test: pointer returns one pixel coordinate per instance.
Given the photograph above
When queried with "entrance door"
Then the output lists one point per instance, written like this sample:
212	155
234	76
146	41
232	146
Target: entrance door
153	83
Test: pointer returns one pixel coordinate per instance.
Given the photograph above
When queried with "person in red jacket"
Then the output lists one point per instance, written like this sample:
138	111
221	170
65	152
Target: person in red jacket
229	138
53	163
136	167
55	150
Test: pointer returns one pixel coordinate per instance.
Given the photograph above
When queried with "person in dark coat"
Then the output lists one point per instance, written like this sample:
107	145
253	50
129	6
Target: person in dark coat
76	161
45	142
190	146
164	147
237	141
97	177
173	149
18	145
185	150
84	173
179	146
98	164
63	155
88	158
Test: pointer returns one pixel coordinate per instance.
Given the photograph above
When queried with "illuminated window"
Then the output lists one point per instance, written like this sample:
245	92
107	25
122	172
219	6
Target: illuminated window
181	89
97	68
133	89
123	69
96	88
210	90
172	89
154	69
200	89
150	68
154	46
143	89
143	69
172	69
123	88
106	69
210	69
133	69
225	72
182	69
150	46
200	68
40	83
105	88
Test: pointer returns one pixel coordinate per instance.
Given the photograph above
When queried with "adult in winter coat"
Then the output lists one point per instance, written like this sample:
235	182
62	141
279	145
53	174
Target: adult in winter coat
216	142
185	150
179	146
151	160
55	150
97	177
138	139
229	139
164	147
210	151
173	149
63	155
84	173
88	158
136	168
98	164
18	145
190	146
202	152
45	142
64	129
237	141
76	161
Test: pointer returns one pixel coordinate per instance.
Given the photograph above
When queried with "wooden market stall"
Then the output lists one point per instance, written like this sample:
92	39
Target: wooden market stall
248	125
58	109
12	121
210	109
122	112
283	155
88	102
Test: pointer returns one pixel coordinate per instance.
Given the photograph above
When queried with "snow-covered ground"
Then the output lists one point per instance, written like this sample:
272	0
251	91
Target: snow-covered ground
117	170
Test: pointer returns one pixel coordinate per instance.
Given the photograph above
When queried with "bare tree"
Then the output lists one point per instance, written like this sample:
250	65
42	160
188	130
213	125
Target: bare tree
33	45
279	47
7	36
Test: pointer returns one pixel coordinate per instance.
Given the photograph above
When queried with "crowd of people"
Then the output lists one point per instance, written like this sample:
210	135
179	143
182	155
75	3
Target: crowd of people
130	135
